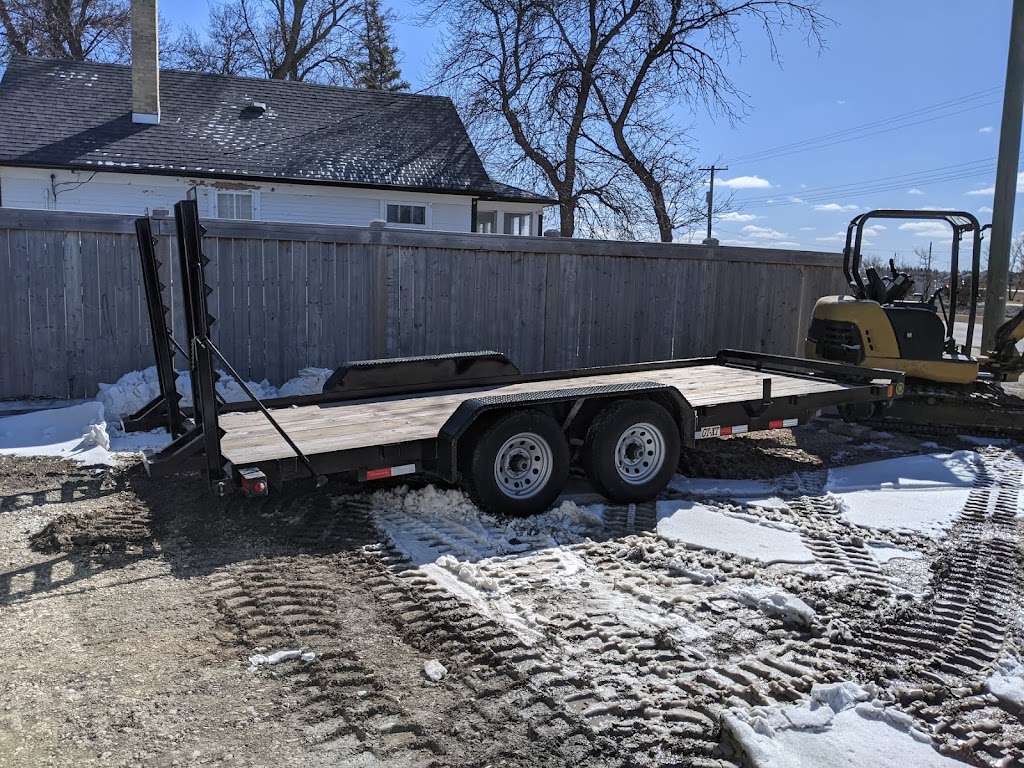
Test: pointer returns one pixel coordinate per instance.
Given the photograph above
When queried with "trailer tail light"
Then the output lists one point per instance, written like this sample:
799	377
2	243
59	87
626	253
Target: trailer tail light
385	472
253	482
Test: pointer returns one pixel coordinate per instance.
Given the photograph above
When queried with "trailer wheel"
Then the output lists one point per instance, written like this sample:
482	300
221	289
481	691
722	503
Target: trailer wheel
518	465
631	450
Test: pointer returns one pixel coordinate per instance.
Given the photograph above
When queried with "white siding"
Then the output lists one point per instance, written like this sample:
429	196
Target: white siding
136	194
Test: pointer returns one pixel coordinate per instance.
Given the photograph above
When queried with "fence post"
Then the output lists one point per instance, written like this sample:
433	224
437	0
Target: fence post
379	264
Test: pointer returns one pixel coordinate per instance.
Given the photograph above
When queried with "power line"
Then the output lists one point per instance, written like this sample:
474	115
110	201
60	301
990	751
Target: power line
865	130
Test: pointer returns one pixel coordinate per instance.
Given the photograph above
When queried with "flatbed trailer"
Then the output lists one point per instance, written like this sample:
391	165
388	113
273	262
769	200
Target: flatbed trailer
473	419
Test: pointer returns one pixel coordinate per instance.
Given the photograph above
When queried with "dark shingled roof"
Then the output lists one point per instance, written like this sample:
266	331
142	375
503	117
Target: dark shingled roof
68	114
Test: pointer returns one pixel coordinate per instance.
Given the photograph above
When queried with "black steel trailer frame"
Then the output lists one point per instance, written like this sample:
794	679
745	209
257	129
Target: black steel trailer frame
197	432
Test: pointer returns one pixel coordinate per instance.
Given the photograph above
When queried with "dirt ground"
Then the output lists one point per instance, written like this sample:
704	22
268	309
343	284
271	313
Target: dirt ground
129	608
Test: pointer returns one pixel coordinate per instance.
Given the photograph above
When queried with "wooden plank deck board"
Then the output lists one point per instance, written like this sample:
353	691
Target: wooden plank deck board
250	438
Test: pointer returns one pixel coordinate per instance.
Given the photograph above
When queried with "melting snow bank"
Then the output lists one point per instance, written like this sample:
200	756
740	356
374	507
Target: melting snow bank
702	527
922	494
479	535
1006	683
78	433
133	390
840	726
775	603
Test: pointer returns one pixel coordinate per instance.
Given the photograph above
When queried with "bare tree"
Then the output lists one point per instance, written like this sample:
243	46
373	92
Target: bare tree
278	39
925	267
576	94
1016	265
96	30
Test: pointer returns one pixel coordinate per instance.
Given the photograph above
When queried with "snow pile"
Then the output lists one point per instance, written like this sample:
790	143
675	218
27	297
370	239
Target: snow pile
696	525
435	671
774	603
261	660
310	381
78	433
1006	682
923	494
473	534
134	390
840	727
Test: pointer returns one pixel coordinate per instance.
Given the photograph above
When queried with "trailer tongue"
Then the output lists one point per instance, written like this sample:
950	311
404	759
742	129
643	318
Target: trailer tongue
472	419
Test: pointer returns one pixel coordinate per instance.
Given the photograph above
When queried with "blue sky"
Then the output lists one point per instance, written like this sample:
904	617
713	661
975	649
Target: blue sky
925	76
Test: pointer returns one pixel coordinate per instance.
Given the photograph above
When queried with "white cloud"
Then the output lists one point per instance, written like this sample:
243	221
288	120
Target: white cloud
985	129
927	228
984	209
914	191
840	102
764	233
835	207
795	199
746	182
807	229
992	190
879	226
733	216
830	239
787	244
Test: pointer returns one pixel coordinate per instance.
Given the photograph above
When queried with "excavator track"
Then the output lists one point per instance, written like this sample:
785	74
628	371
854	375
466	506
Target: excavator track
981	408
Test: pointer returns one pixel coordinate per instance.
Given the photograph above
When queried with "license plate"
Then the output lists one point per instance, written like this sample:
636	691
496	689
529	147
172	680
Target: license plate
710	432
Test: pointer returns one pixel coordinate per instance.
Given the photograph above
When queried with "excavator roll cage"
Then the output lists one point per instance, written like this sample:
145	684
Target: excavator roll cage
871	286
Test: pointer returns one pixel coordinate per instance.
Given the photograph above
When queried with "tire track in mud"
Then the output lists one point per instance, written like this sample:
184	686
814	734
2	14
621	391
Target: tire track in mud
622	652
315	602
932	658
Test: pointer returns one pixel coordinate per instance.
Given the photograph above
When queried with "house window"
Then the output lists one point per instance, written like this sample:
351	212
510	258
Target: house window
405	213
236	205
487	222
517	223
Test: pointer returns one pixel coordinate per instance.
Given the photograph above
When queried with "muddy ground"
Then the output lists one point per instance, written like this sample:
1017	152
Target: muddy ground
129	609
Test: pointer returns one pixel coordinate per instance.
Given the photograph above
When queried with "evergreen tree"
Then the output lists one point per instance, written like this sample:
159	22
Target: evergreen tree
377	68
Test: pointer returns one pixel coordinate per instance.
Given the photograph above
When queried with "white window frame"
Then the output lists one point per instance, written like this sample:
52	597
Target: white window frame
427	213
254	194
497	221
517	215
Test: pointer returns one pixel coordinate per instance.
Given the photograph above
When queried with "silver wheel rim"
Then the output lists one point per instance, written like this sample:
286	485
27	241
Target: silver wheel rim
523	465
639	453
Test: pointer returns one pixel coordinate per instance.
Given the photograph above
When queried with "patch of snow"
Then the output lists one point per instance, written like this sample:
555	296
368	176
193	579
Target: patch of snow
699	526
1006	682
704	487
922	494
884	552
774	602
771	502
435	671
133	442
261	660
78	433
957	469
310	381
984	441
836	727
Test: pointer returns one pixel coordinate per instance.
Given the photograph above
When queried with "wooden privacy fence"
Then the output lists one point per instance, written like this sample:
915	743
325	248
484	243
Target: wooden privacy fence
286	296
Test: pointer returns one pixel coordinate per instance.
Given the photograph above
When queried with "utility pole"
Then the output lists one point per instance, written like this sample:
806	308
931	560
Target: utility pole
711	198
1006	181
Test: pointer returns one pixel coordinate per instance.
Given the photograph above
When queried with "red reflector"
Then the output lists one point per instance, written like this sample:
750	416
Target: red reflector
259	487
777	424
378	474
726	431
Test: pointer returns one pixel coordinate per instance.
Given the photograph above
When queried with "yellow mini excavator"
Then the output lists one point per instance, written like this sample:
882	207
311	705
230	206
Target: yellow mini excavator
947	388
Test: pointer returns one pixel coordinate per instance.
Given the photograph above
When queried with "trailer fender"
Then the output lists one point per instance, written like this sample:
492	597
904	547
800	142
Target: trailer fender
469	413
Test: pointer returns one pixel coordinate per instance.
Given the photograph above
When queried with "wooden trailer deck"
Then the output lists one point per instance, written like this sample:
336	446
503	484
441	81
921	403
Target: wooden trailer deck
249	438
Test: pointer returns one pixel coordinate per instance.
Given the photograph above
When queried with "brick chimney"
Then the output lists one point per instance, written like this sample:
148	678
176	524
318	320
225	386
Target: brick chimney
145	63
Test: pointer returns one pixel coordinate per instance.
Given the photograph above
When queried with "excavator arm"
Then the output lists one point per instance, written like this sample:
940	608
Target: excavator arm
1003	359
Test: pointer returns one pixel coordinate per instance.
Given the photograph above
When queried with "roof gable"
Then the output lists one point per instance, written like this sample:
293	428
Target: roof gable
71	114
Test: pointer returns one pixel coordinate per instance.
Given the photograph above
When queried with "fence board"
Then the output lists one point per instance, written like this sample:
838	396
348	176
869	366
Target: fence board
287	297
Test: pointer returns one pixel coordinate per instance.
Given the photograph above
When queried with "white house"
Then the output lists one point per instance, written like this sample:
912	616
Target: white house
80	136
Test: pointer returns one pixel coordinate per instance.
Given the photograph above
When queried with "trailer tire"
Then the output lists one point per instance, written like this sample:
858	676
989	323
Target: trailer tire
631	450
518	464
